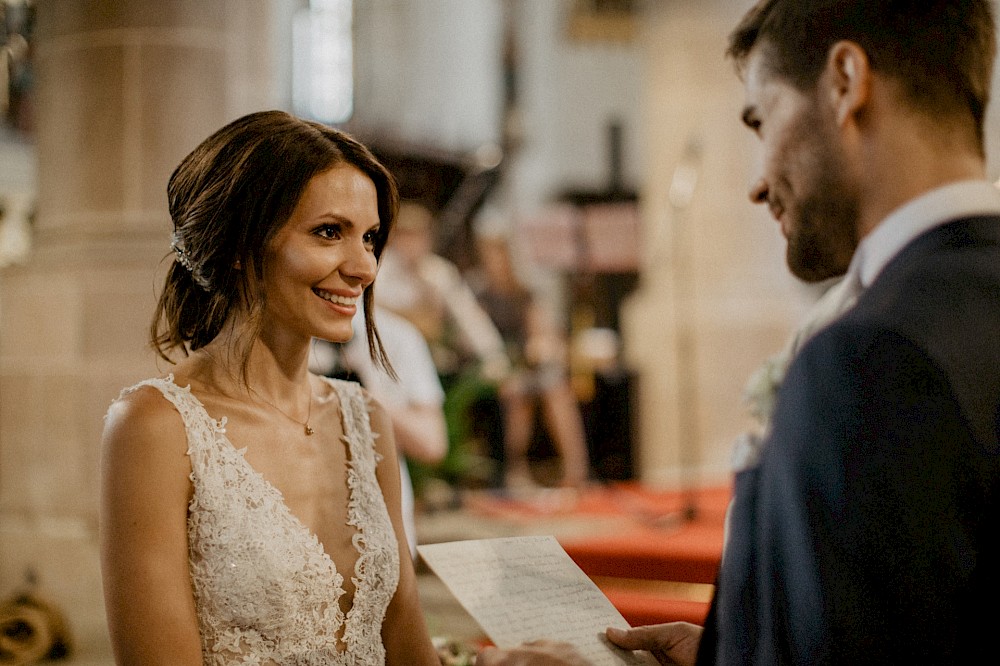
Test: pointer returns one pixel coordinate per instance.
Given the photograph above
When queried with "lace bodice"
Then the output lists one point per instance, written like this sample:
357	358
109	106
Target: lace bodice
266	592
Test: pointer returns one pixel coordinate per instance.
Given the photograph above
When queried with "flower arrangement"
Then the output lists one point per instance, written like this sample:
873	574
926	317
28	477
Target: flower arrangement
454	653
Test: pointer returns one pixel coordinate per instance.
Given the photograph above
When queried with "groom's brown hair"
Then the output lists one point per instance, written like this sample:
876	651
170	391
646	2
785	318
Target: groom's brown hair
940	52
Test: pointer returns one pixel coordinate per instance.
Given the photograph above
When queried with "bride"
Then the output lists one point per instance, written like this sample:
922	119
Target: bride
250	510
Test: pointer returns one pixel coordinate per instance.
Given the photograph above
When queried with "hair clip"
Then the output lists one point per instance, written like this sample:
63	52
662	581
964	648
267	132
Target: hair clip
184	260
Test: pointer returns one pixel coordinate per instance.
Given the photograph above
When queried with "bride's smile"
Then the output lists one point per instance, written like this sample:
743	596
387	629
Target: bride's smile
326	249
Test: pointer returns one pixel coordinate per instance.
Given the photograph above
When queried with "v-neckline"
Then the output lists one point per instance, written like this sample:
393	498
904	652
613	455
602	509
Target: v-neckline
219	430
271	488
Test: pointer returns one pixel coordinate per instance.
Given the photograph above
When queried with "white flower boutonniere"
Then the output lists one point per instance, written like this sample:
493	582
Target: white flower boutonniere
761	391
760	396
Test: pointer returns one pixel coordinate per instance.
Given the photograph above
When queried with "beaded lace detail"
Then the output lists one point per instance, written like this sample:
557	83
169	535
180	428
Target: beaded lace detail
266	591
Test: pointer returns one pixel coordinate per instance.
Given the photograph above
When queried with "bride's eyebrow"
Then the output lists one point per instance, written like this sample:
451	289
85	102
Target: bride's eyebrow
333	218
344	222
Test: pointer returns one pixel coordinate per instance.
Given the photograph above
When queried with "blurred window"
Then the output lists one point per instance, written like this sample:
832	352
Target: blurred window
323	61
17	76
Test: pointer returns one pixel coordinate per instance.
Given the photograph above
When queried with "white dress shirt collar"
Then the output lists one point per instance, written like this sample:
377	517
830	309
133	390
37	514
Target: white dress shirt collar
950	202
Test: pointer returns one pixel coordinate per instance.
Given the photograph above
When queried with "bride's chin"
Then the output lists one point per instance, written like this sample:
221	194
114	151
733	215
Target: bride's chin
335	336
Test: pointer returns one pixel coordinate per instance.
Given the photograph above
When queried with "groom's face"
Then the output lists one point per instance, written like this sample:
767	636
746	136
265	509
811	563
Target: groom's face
803	175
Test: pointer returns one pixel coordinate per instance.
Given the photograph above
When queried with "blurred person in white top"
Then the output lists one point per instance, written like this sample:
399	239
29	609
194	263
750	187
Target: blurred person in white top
414	400
430	292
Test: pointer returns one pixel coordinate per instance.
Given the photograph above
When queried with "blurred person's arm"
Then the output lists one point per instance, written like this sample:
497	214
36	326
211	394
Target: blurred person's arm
418	421
145	490
544	342
420	430
415	401
404	632
474	325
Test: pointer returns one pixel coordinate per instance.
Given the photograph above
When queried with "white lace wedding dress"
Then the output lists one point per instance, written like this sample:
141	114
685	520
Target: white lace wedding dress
266	591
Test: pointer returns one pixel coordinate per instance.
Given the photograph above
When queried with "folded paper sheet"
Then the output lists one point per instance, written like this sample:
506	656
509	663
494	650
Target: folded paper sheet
527	588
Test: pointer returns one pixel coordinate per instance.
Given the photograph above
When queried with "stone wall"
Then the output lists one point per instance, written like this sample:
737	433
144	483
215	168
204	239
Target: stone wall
124	90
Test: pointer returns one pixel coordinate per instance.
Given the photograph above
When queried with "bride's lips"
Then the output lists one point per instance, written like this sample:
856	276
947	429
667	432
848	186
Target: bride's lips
346	303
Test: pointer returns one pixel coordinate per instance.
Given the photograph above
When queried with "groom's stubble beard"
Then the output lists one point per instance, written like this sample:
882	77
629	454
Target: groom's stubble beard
823	236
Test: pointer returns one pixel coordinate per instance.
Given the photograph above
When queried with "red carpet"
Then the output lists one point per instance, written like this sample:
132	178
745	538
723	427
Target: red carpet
639	609
652	541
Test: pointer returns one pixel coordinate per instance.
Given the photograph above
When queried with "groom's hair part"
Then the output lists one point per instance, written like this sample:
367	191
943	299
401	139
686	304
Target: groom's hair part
939	52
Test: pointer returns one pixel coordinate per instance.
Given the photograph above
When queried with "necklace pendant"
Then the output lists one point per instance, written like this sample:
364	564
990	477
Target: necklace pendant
308	429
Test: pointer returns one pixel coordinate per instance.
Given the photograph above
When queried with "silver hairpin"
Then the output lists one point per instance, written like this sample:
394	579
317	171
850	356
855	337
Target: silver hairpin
177	245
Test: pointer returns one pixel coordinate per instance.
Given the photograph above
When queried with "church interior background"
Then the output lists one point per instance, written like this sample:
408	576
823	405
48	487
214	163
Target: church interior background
605	133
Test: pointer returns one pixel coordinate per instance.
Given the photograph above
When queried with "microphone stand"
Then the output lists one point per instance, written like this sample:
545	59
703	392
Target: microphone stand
681	192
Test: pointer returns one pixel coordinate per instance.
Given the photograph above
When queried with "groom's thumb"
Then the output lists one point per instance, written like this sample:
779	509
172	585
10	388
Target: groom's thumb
637	638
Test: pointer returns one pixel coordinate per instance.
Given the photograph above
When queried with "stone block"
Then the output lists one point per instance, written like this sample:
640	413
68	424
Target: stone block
41	318
80	96
43	471
182	103
116	309
59	18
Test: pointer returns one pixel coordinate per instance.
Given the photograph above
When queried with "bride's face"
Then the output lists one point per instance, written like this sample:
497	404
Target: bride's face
322	259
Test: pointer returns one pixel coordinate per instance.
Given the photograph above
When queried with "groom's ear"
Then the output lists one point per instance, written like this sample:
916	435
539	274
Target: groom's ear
848	77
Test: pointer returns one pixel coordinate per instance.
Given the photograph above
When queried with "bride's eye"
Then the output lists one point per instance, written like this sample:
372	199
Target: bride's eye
328	231
370	237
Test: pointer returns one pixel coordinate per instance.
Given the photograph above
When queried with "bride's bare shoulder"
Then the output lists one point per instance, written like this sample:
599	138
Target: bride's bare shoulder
142	421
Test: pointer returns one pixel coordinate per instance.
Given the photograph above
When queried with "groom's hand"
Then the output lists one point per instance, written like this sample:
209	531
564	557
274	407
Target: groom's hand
671	643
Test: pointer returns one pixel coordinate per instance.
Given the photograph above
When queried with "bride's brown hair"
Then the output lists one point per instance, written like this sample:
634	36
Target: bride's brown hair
227	200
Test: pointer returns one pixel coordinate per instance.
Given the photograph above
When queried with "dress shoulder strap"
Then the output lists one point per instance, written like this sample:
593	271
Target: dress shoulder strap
199	425
357	425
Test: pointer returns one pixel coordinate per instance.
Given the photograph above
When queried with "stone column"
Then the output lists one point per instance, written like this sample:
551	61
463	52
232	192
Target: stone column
716	299
125	89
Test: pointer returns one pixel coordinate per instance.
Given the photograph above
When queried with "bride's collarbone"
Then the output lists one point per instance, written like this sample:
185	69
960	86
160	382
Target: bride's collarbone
310	475
271	444
253	425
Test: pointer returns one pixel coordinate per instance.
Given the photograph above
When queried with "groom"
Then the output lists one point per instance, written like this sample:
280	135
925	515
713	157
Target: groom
867	531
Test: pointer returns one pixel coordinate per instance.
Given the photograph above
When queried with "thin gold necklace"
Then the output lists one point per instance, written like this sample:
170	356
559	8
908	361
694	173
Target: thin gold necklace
305	424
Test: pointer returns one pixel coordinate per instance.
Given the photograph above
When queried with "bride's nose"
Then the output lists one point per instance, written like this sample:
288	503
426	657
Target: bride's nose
361	264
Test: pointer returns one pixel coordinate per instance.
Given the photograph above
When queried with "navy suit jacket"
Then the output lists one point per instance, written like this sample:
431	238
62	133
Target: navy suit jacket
869	532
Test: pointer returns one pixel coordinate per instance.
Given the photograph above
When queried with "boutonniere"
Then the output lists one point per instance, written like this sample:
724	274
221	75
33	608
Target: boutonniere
761	391
760	396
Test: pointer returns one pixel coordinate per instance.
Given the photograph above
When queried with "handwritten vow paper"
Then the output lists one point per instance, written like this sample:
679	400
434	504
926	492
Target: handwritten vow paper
526	588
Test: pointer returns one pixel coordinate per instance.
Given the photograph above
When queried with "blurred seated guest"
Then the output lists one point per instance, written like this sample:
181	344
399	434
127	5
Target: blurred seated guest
413	399
431	293
537	351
